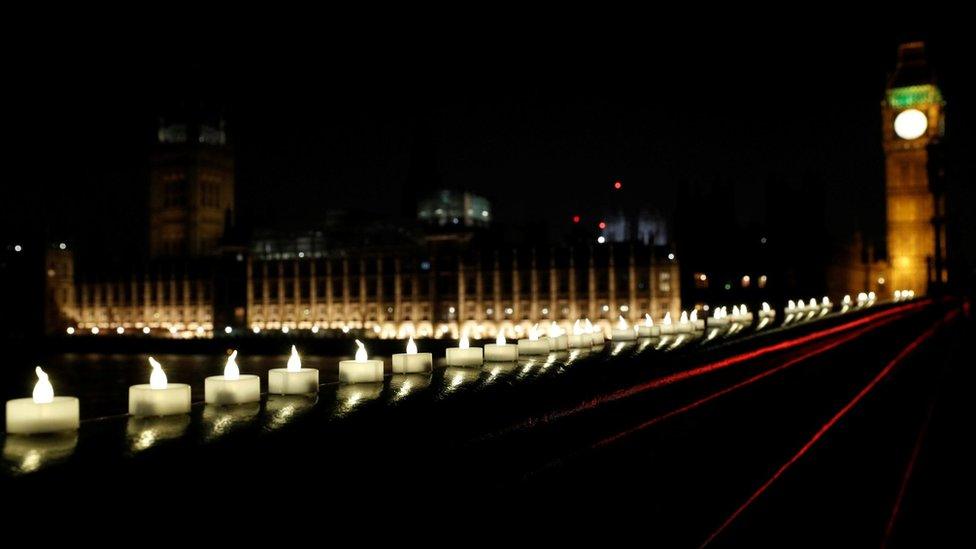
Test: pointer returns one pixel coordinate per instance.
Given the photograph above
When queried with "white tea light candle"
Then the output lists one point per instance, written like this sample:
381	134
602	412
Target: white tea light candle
412	362
579	339
159	397
648	329
43	412
464	355
533	345
667	328
622	331
293	379
361	369
558	340
232	387
501	351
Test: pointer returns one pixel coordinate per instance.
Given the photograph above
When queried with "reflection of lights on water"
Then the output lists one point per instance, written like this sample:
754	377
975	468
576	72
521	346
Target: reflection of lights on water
617	347
405	389
712	334
457	380
664	341
353	399
763	323
494	372
677	342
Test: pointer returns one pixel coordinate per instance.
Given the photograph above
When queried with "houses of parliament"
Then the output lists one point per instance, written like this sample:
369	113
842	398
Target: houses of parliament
433	280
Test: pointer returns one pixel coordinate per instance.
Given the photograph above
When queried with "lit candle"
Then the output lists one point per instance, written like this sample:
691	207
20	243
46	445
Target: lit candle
826	306
501	351
846	304
667	328
159	398
464	354
697	323
558	341
232	387
862	299
596	334
718	322
412	362
746	314
293	379
768	312
648	329
533	345
361	369
622	331
684	325
579	339
43	412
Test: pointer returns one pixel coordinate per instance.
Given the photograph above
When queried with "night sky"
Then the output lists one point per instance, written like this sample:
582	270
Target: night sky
540	126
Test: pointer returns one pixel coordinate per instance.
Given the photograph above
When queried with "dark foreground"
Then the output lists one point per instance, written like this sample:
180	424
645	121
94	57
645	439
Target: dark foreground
846	431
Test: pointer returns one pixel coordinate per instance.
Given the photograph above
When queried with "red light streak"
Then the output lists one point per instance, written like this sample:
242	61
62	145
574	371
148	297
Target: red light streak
667	380
824	347
920	438
909	349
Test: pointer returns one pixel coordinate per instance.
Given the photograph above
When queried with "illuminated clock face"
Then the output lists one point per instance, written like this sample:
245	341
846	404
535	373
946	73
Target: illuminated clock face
911	124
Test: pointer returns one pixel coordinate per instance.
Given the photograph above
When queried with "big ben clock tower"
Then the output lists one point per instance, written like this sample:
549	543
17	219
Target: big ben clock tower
912	121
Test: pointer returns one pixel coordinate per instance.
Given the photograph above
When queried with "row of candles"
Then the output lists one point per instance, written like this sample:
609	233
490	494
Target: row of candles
46	413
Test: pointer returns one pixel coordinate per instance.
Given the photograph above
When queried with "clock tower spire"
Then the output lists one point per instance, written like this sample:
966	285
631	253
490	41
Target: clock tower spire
912	122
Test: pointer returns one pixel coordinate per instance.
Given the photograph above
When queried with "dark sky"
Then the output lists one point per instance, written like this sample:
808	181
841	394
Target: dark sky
540	126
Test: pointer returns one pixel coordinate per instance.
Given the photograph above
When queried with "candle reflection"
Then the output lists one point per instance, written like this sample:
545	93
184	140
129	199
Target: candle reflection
145	432
281	409
27	453
220	420
403	384
455	377
350	396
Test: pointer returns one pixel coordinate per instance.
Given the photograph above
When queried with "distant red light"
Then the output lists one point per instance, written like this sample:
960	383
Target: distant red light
603	225
576	219
617	185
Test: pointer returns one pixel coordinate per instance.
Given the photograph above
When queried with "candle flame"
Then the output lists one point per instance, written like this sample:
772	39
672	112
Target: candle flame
694	315
577	329
742	309
157	379
735	310
765	307
500	340
589	325
647	320
361	352
790	305
411	347
667	318
463	343
294	361
231	371
621	323
684	317
43	390
554	330
534	333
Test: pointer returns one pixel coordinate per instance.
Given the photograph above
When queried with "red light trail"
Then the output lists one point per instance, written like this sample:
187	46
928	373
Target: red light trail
701	370
909	349
822	348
